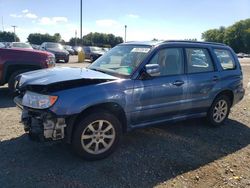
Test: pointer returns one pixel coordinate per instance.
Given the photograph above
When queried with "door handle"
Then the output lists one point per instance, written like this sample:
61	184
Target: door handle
215	78
178	83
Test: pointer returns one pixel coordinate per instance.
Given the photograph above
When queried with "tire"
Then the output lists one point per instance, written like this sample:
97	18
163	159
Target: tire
91	58
66	60
219	110
11	81
96	144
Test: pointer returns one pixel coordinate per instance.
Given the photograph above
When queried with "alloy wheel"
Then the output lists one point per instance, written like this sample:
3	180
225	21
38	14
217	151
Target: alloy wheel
220	111
98	137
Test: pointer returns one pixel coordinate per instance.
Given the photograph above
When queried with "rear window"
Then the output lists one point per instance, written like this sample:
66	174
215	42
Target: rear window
225	58
198	60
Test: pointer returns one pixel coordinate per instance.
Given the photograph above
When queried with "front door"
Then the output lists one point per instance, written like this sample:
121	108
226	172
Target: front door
161	97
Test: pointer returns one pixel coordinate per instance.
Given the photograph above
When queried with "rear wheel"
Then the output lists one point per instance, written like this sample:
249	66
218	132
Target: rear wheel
96	136
219	110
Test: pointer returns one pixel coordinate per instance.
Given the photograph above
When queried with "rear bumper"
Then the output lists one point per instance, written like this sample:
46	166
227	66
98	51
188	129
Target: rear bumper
238	95
61	57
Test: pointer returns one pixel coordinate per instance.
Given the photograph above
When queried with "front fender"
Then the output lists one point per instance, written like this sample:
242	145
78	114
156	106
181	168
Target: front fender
76	100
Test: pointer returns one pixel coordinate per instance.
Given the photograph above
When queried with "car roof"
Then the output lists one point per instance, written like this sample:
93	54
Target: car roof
156	43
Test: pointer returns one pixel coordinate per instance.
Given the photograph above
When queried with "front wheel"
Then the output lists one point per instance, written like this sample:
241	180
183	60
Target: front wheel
66	60
12	81
219	110
96	136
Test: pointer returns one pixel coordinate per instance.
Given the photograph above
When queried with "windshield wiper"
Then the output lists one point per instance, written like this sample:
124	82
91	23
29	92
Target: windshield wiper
99	70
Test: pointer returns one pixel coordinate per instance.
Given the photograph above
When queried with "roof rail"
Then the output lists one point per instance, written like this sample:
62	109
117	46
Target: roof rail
199	42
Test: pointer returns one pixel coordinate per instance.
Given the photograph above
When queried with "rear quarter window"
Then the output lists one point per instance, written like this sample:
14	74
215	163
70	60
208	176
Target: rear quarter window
225	59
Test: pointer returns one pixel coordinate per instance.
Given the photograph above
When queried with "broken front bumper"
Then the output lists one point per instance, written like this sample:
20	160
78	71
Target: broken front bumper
41	124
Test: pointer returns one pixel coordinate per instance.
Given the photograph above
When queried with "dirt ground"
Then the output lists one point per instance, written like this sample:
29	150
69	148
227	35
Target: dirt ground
184	154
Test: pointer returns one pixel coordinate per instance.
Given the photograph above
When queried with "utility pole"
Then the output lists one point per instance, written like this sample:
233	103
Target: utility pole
14	26
81	20
2	24
75	37
125	38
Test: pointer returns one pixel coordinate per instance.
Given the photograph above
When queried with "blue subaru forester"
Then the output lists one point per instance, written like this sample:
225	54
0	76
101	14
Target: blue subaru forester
135	84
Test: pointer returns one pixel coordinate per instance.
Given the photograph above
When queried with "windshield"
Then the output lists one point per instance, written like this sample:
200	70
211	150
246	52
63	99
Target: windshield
21	45
121	60
2	45
95	49
68	47
54	45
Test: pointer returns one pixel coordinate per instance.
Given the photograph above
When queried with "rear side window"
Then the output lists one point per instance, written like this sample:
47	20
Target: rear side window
225	58
198	60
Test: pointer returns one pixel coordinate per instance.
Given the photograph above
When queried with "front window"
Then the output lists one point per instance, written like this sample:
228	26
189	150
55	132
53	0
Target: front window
68	47
95	49
21	45
54	45
2	45
121	60
170	61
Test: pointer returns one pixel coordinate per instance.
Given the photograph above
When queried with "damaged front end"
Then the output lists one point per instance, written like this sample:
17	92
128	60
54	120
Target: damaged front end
39	122
41	125
37	92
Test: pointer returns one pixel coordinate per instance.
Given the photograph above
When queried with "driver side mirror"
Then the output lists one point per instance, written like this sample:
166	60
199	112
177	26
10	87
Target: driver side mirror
153	69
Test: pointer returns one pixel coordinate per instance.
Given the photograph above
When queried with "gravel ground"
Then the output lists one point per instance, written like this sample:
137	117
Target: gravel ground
184	154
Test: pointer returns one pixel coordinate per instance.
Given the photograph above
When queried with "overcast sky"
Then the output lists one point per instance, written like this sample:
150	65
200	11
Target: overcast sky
145	19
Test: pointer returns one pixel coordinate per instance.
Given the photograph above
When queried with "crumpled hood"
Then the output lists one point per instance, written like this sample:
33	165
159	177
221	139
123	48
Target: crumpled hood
63	76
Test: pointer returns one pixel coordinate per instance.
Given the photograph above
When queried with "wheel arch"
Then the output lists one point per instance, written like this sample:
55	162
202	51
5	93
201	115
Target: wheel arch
227	92
112	107
12	67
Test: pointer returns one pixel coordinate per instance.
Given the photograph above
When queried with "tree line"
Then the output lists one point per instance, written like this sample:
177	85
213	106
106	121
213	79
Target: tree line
97	39
91	39
237	36
8	37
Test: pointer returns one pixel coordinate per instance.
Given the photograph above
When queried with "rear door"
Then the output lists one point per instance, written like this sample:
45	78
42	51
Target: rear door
203	79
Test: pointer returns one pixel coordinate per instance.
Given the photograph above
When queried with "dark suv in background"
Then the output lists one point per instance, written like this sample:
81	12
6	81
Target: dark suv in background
57	49
133	85
93	52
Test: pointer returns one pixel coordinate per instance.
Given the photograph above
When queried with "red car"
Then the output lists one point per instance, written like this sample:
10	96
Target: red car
16	61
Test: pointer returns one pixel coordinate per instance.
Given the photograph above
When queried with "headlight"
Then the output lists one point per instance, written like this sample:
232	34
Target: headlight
51	61
38	101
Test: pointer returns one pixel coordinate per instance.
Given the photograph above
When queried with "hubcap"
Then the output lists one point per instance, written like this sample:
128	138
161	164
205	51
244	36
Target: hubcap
220	111
98	137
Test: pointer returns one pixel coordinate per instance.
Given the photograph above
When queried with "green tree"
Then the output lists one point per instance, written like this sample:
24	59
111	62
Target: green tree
38	38
236	36
8	37
57	37
214	35
97	39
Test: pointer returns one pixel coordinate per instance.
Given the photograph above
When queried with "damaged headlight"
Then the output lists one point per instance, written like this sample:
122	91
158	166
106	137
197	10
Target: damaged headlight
38	101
